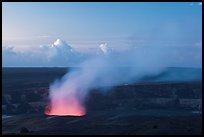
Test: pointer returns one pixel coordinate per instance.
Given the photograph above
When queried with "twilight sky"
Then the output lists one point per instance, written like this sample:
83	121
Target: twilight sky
87	25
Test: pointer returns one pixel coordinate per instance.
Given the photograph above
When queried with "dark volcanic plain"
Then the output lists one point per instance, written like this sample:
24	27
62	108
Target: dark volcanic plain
146	108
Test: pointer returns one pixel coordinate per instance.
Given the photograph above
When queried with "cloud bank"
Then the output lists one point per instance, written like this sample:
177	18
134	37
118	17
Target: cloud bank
61	54
58	54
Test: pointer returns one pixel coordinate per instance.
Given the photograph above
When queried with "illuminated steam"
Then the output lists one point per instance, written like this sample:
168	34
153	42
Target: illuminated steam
68	94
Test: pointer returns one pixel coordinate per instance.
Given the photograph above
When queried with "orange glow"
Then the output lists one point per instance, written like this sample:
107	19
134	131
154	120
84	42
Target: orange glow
65	107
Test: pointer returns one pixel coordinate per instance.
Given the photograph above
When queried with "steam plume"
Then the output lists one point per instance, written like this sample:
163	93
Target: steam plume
68	94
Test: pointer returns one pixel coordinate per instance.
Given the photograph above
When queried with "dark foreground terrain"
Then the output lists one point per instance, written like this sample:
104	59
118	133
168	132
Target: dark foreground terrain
157	107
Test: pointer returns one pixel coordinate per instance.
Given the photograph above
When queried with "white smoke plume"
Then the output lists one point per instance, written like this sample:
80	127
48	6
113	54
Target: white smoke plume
68	94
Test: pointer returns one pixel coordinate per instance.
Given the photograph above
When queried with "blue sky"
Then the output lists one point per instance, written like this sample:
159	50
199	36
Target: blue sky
170	27
84	22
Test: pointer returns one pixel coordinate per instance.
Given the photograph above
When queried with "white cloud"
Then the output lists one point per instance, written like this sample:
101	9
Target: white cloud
44	55
61	54
196	4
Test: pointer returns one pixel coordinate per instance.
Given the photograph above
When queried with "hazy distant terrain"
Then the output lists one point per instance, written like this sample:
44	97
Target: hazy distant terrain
162	104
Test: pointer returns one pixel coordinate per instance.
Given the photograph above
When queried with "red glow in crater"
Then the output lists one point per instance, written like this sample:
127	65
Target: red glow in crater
65	107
